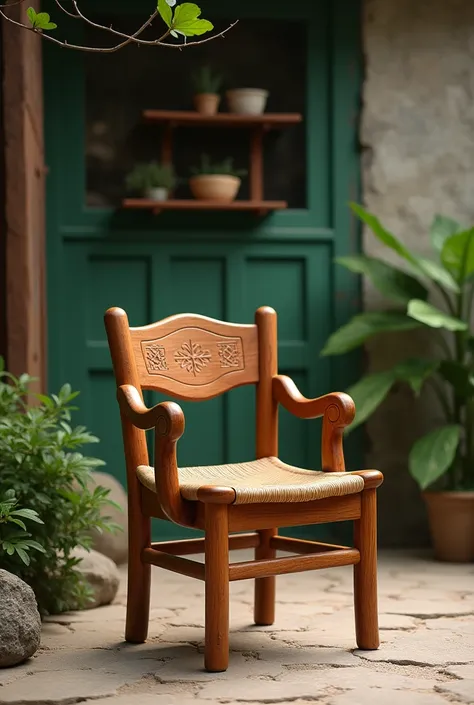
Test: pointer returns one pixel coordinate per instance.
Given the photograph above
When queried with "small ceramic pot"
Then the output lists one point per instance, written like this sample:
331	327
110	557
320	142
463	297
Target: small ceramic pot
247	101
207	103
451	517
215	187
158	193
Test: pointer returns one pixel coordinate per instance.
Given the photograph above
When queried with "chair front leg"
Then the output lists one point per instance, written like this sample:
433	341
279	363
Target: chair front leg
216	653
264	610
139	574
365	573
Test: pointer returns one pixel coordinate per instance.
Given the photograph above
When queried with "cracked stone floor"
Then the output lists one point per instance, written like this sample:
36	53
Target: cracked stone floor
426	657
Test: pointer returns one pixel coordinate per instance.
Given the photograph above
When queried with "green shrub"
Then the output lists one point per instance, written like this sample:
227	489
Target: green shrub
42	469
445	455
13	539
205	80
151	175
225	168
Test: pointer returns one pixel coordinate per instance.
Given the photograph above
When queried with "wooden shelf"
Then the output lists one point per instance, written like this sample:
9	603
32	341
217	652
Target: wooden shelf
181	118
258	207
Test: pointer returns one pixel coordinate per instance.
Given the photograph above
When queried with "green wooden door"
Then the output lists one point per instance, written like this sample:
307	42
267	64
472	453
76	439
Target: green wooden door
214	264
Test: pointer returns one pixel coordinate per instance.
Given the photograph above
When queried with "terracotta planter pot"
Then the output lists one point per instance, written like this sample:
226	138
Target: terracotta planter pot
207	103
215	187
451	517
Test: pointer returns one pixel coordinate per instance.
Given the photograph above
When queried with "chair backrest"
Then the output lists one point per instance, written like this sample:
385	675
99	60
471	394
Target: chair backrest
188	356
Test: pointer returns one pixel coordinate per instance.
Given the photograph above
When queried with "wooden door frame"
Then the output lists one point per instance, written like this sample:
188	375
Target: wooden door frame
23	318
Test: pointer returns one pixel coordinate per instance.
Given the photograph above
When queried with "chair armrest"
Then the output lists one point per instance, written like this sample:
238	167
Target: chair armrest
337	409
167	417
338	406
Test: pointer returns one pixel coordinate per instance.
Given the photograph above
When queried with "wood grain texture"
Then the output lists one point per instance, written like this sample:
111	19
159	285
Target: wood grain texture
365	574
293	564
185	547
266	516
216	649
291	545
195	357
260	208
174	563
136	453
267	444
338	412
195	119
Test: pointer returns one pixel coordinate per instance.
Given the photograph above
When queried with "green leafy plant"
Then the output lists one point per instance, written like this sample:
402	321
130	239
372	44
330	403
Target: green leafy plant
41	468
151	175
40	20
12	539
206	81
225	168
444	456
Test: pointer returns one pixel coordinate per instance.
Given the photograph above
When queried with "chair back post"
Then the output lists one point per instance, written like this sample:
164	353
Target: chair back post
125	370
267	407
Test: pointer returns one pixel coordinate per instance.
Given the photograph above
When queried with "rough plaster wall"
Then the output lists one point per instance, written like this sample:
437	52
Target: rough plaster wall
418	159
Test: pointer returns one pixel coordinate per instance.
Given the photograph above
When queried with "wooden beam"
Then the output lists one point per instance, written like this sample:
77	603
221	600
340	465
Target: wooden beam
293	564
283	543
174	563
188	547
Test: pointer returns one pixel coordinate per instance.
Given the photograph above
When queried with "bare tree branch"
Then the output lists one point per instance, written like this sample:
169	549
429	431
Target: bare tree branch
134	38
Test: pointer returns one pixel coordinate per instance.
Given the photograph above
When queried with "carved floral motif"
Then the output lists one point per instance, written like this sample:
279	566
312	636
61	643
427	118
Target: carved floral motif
192	357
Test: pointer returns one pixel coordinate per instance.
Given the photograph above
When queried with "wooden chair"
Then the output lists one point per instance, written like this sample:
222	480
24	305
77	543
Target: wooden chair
195	358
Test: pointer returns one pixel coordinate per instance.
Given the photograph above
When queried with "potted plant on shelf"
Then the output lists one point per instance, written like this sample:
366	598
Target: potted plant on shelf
152	180
442	461
216	182
247	101
207	85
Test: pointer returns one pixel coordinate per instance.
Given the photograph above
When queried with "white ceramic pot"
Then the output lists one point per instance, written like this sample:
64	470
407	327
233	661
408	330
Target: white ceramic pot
247	101
215	187
157	194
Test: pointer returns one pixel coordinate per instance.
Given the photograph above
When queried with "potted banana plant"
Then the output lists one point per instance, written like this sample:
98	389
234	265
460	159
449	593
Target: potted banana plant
442	461
153	180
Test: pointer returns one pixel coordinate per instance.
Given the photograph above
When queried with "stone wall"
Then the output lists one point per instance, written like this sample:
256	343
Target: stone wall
417	138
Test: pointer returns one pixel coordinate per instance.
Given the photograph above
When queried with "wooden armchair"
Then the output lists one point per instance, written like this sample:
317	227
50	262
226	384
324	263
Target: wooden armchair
195	358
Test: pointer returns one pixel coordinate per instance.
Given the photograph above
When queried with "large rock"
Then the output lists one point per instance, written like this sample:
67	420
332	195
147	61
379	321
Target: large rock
20	623
115	545
101	573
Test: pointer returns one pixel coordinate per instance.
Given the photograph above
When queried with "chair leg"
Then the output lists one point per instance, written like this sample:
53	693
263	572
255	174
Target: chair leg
216	651
264	610
139	579
365	574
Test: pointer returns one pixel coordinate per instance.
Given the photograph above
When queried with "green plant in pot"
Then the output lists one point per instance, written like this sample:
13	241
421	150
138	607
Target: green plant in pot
442	461
218	182
207	85
152	180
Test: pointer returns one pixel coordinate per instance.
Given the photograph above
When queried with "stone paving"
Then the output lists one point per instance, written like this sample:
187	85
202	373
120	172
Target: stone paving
426	656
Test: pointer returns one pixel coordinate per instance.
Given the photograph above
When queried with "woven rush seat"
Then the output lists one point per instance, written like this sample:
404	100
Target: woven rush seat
263	480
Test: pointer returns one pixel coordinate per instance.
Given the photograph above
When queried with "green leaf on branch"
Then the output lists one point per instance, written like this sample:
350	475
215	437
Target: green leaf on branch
432	456
40	20
365	326
415	371
441	228
437	273
433	317
393	283
165	11
187	20
458	255
368	394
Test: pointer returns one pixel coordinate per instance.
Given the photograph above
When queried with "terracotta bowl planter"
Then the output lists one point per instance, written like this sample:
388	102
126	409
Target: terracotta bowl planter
215	187
207	103
451	517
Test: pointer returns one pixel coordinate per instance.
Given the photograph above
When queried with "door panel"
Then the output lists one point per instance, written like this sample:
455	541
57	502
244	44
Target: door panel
215	264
